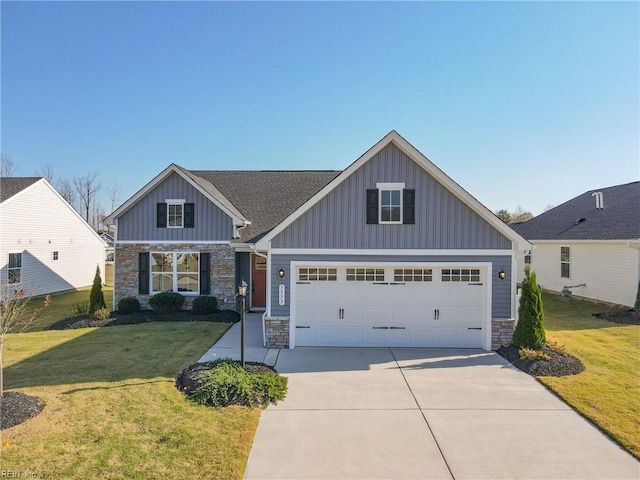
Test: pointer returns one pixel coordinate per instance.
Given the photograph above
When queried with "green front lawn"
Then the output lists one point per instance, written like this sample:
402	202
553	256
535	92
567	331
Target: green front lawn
61	306
112	410
608	391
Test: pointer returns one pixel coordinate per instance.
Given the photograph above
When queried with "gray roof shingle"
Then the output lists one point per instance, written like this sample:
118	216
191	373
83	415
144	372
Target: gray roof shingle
618	220
9	186
266	197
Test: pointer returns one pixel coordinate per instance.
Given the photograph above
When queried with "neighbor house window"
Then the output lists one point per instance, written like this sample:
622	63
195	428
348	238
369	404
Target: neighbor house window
175	213
564	262
14	271
54	255
175	272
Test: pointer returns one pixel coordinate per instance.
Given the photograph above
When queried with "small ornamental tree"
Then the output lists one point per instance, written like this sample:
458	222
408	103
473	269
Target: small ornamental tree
529	331
96	297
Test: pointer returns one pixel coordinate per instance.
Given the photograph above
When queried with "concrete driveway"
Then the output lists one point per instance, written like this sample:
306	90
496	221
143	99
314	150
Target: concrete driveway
423	414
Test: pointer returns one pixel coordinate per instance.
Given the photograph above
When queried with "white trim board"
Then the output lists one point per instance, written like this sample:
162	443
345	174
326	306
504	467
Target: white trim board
395	138
171	242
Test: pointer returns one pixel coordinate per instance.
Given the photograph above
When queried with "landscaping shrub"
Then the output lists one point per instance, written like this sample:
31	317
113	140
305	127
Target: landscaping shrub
204	305
637	304
528	354
128	305
529	331
81	308
101	314
166	302
96	297
227	383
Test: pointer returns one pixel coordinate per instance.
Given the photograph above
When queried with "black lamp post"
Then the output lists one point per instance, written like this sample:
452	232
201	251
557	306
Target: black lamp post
242	291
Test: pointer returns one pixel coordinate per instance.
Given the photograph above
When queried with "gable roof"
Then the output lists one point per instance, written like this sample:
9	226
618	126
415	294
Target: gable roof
579	219
9	186
266	197
413	153
203	186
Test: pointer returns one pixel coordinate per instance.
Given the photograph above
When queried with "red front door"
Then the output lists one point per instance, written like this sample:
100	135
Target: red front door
258	281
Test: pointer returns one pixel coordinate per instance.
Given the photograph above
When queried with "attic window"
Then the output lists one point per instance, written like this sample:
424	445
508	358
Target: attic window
390	203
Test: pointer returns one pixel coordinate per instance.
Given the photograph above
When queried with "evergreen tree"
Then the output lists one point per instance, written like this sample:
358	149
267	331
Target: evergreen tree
96	298
529	331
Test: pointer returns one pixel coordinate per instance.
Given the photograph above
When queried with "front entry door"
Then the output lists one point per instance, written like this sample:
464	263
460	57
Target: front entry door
258	281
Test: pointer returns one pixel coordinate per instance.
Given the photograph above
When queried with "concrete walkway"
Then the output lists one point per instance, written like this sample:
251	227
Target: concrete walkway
229	344
423	414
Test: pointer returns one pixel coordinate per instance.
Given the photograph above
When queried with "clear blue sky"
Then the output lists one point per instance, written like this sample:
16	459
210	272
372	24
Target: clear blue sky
520	103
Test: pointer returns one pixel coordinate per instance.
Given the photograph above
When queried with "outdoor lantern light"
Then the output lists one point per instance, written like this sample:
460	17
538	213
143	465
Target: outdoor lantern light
501	274
281	272
242	289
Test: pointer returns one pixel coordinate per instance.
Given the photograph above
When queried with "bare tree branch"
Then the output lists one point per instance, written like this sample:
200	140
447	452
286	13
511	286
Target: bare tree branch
87	187
113	191
47	173
7	166
66	190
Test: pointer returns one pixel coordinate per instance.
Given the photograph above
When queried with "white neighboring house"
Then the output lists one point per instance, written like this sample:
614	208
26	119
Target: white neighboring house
589	244
45	245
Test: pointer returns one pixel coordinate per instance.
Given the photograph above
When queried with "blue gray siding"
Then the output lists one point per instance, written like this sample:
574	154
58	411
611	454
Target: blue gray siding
501	289
139	223
442	220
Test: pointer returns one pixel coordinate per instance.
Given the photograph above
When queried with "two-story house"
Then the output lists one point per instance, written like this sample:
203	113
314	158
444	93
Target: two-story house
388	252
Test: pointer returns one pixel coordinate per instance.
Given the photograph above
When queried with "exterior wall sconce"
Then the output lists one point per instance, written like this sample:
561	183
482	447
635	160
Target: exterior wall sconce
281	273
501	274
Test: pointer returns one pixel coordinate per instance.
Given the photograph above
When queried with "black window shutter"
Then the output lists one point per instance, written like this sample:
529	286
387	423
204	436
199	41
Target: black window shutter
409	206
161	215
143	272
205	279
372	206
189	215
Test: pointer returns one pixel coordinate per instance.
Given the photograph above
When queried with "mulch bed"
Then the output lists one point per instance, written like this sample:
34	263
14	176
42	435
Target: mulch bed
17	407
189	380
626	316
559	365
143	316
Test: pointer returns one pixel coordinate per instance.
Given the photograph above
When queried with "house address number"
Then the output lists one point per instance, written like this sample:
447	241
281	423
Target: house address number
281	295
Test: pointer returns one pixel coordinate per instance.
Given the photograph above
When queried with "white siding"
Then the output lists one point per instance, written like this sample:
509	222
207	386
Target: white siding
36	222
610	270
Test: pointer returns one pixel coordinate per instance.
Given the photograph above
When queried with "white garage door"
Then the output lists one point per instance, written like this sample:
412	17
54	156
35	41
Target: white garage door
386	306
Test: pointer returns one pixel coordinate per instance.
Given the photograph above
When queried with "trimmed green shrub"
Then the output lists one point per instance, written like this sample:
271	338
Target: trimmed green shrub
227	383
166	302
529	331
204	305
128	305
637	304
96	297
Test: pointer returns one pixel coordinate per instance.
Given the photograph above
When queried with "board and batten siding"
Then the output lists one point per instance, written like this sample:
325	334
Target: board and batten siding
443	221
139	222
500	293
610	270
38	222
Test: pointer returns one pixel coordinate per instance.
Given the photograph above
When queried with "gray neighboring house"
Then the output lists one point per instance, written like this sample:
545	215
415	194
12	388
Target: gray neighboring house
388	252
589	244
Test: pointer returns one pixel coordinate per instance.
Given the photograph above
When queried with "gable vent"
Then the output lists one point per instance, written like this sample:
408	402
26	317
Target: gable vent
599	199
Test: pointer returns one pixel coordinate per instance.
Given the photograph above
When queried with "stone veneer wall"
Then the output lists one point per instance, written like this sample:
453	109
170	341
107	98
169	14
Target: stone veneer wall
276	332
501	332
222	268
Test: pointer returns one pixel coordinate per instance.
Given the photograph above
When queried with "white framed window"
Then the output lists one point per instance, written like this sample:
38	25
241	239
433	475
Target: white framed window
565	260
260	263
175	213
55	255
390	202
175	272
14	268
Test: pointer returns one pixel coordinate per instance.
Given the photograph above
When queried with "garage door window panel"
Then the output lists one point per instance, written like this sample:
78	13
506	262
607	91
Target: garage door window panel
365	274
460	275
412	275
317	274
